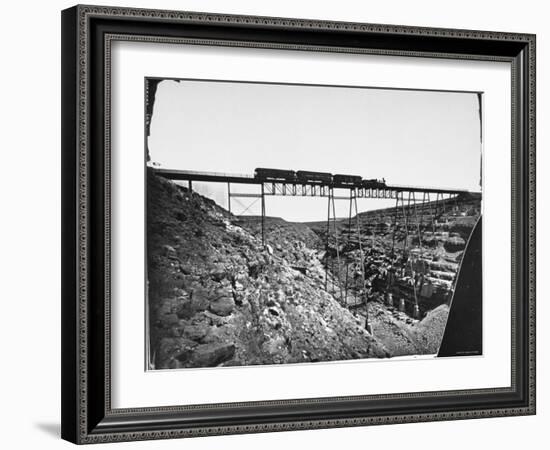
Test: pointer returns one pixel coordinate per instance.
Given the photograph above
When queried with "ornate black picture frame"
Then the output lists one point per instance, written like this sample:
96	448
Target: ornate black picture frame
87	34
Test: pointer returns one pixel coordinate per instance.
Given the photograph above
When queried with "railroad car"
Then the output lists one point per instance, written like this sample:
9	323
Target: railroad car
274	174
373	184
348	180
304	176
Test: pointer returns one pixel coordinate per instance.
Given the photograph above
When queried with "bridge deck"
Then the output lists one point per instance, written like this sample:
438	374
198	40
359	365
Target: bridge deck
216	177
295	188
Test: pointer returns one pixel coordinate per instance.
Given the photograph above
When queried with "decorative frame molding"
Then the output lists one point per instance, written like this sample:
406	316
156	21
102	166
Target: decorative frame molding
87	34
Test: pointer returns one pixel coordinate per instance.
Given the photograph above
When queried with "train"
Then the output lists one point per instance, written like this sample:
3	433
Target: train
346	180
320	178
374	183
275	174
304	176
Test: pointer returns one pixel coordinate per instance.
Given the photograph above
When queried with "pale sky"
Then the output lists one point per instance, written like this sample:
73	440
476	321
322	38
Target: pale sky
418	138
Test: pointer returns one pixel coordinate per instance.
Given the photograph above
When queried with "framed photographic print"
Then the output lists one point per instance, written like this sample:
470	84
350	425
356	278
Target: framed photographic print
281	224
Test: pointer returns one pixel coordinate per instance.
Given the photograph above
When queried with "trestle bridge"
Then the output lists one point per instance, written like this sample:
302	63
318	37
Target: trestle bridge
412	205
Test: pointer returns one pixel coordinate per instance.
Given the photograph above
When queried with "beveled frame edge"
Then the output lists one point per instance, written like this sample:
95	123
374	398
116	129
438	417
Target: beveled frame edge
77	216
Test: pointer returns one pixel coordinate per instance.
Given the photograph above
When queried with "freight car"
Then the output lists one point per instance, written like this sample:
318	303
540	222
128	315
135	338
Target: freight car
274	174
347	180
304	176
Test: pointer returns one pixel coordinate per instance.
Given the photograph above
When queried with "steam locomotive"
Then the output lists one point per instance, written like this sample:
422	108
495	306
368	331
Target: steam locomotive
374	183
321	178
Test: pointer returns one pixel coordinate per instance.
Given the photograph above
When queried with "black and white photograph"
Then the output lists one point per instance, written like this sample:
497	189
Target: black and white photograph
293	223
275	225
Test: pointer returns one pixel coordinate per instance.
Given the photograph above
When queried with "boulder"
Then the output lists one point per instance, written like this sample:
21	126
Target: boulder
222	306
186	269
224	291
169	251
173	348
215	335
454	244
218	272
210	355
188	307
168	320
240	297
195	332
276	349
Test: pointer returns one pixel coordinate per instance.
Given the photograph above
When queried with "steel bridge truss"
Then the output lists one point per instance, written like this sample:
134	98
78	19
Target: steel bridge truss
414	210
320	190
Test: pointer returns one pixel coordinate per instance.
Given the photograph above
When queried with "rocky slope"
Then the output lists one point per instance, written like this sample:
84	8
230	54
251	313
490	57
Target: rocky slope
217	297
